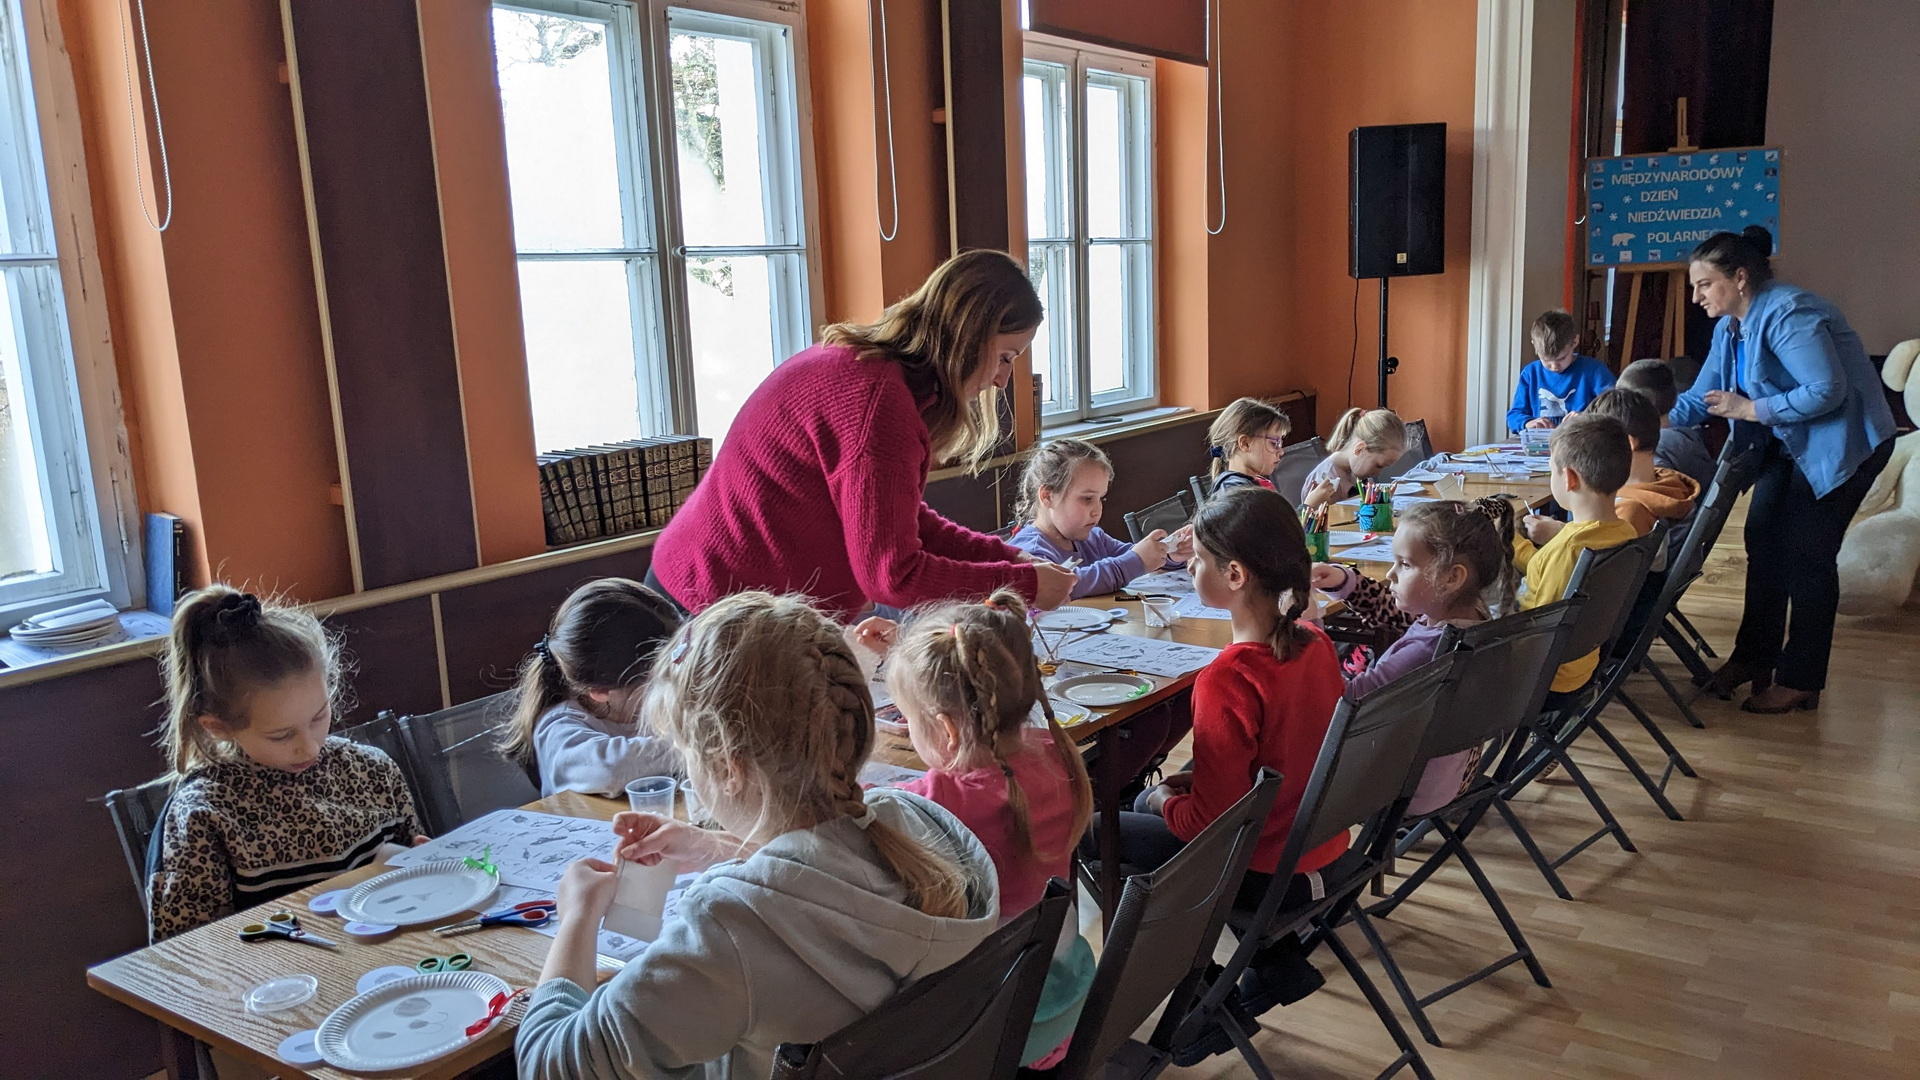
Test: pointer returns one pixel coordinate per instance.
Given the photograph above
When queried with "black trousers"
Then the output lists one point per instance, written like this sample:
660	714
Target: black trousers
1793	576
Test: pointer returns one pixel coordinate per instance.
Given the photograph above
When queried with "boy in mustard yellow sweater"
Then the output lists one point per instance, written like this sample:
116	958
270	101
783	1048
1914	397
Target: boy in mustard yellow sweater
1592	458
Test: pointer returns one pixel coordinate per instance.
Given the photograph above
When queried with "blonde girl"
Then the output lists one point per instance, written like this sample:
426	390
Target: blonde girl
1364	443
265	802
1063	493
1451	567
817	902
576	709
965	678
1244	443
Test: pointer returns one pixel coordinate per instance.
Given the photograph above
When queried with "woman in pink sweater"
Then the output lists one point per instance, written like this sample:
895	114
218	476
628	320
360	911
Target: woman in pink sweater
820	485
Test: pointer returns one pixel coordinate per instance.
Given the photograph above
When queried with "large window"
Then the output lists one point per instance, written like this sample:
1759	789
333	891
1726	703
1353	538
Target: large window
51	547
658	208
1089	150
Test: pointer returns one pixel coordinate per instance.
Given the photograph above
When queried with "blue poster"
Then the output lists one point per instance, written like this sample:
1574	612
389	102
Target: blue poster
1654	210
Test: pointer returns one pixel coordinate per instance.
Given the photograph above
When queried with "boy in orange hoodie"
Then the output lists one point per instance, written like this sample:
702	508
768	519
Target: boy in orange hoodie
1652	493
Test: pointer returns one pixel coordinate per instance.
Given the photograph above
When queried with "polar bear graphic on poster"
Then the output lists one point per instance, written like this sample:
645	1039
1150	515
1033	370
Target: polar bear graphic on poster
1622	239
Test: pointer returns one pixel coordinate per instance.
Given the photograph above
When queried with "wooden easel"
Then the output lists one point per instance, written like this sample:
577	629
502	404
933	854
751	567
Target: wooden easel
1673	321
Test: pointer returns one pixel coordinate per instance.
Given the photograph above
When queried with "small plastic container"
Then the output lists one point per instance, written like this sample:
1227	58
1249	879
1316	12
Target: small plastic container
652	795
276	995
1159	611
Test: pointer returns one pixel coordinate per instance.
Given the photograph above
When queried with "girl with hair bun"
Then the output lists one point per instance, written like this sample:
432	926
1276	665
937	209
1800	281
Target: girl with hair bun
1795	382
265	802
576	709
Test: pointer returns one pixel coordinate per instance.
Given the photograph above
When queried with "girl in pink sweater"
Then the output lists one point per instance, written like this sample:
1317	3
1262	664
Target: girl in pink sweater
965	678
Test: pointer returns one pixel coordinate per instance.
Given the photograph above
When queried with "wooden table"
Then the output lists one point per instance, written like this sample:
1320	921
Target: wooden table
193	983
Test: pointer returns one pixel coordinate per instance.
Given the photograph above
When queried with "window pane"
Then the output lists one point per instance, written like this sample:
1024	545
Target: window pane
722	110
740	312
566	132
581	359
1118	156
1048	151
26	546
1120	319
1050	266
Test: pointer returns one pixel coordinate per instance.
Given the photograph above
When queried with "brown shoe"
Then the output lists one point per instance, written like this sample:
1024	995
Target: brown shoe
1732	676
1773	700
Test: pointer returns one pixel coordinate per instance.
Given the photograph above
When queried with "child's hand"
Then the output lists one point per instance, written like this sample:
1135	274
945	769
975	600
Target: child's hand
1180	782
421	839
648	838
875	633
1541	528
1180	544
1328	577
586	890
1153	549
1321	493
1054	585
1157	799
1539	422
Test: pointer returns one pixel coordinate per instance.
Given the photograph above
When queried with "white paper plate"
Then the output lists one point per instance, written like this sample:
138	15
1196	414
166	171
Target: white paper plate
1067	713
408	1021
1102	690
1074	618
425	893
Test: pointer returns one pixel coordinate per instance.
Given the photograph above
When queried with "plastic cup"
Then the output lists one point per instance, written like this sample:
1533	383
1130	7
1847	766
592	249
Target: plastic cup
652	795
696	810
1159	611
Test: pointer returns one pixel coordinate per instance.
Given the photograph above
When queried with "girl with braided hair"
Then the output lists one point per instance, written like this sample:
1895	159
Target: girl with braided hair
265	802
816	901
575	714
965	678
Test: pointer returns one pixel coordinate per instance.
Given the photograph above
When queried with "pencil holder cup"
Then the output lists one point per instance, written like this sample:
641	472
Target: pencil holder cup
1317	546
1159	611
1375	517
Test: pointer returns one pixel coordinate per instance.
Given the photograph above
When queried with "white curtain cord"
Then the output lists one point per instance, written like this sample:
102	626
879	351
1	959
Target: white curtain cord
1216	71
887	232
133	114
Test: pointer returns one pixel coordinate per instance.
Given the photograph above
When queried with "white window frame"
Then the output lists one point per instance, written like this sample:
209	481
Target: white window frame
71	390
1085	66
639	32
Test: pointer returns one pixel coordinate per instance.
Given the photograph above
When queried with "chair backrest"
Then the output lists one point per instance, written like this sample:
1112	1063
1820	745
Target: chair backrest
1685	568
1169	514
1201	487
1296	462
1163	933
1506	666
1610	578
966	1021
383	734
461	774
137	812
1419	449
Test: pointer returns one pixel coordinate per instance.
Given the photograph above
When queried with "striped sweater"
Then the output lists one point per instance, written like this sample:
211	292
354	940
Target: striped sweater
236	834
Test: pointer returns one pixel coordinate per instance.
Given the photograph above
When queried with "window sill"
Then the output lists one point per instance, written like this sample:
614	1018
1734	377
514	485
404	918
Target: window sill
1112	427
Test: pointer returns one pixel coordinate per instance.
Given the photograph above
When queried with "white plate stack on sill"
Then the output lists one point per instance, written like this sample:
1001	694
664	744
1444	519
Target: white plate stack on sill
75	627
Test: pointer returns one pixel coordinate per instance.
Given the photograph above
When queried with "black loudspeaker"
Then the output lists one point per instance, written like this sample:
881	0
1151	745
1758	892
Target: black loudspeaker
1397	194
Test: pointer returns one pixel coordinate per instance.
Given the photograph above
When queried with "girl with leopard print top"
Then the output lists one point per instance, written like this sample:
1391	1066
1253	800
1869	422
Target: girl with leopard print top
265	802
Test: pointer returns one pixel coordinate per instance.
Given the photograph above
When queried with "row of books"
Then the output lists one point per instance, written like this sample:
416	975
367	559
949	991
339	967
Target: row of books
618	488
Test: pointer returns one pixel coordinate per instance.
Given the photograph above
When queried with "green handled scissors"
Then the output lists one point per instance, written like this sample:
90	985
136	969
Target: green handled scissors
434	964
282	924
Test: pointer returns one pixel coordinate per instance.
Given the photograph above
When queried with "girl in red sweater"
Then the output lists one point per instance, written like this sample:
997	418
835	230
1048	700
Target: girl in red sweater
1265	701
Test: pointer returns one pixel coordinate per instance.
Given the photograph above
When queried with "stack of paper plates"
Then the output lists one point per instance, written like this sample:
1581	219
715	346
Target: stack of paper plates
81	624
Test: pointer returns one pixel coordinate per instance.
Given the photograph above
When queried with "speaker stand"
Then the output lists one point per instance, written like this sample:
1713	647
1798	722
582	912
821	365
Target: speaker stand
1388	364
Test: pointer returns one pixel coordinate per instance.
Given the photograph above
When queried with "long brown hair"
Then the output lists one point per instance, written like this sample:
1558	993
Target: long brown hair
1257	528
770	685
602	637
939	334
226	645
974	663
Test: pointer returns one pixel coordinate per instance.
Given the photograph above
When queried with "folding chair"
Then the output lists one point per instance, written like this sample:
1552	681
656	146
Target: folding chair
1685	569
1505	668
383	734
1609	579
1296	462
1168	514
461	774
1731	477
1159	942
968	1021
1364	771
137	813
1201	487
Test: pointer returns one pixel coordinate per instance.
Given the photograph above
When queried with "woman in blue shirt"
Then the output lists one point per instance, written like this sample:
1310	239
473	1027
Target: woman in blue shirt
1794	381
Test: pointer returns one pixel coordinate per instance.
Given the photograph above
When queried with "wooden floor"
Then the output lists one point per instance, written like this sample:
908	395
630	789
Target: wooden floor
1774	933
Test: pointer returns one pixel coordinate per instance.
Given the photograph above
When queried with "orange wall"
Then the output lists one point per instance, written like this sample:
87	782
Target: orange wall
1184	177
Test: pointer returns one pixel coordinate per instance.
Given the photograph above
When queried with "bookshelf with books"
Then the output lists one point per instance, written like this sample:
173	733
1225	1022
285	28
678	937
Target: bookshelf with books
614	489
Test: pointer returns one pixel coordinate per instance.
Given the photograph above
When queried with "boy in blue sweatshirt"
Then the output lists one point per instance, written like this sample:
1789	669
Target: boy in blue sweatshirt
1560	381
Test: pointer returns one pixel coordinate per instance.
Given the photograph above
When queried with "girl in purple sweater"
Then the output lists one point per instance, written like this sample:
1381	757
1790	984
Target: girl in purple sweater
1449	559
1062	495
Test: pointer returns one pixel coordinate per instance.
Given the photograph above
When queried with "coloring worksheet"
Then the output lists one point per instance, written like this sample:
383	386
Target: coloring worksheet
881	774
1149	656
531	849
1380	550
1169	582
616	946
1192	607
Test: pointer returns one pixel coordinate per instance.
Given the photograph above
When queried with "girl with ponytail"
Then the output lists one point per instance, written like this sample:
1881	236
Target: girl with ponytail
1365	442
575	710
817	900
266	802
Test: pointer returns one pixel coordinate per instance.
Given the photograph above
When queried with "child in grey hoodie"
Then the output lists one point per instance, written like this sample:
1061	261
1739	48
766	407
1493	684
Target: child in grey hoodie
819	901
575	711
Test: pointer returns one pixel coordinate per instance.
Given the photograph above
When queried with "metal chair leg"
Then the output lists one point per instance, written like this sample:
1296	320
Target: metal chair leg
1626	757
1673	694
1699	639
1675	759
1409	1053
1532	848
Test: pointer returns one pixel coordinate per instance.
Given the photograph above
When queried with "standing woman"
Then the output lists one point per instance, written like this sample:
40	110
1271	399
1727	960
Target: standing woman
820	487
1795	382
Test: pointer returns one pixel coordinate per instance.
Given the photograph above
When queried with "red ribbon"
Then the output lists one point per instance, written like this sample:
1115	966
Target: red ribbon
495	1008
